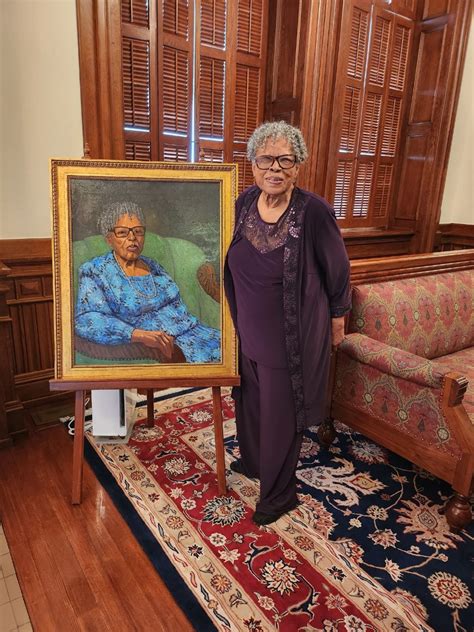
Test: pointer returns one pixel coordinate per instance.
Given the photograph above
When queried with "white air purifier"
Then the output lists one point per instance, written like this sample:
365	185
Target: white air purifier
113	413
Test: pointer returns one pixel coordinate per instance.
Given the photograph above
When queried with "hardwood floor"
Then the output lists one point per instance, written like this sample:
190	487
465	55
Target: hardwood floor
79	567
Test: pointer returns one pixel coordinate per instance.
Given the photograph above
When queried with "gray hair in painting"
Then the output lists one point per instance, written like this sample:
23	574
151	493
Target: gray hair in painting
113	212
276	130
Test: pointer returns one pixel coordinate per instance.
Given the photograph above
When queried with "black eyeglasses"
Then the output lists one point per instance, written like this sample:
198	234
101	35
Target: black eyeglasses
123	231
285	162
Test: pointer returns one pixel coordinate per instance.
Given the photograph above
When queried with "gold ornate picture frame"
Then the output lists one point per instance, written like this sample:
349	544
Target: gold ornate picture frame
188	210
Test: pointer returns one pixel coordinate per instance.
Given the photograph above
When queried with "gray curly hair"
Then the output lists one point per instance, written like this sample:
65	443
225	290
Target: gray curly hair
273	130
113	212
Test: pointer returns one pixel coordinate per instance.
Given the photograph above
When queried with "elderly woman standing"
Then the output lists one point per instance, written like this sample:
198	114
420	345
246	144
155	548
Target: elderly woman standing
124	297
287	281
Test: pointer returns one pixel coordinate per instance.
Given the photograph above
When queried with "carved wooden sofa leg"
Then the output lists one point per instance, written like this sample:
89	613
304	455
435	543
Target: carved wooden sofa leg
458	512
327	432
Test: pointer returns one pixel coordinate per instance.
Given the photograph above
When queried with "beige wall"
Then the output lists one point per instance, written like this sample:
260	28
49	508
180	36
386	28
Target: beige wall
40	116
40	113
458	198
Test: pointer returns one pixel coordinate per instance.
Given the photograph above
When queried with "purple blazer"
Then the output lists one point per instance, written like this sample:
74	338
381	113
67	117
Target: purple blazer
316	287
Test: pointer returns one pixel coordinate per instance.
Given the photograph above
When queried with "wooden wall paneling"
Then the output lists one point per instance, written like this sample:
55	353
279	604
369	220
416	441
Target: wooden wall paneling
366	244
99	33
442	33
389	268
288	28
11	409
5	438
29	302
435	8
408	8
454	237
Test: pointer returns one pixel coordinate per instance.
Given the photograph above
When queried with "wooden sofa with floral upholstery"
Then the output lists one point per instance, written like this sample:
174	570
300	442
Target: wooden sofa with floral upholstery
403	371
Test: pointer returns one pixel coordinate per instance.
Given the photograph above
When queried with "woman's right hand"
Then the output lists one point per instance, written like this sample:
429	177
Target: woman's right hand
158	339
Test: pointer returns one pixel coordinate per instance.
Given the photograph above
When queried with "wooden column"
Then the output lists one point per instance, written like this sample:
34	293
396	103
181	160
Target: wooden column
99	35
11	409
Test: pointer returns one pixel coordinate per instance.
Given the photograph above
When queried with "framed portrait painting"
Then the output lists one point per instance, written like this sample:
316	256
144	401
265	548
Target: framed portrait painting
138	255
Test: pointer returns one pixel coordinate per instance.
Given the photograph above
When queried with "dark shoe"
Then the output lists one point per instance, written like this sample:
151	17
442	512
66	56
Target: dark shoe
261	518
238	467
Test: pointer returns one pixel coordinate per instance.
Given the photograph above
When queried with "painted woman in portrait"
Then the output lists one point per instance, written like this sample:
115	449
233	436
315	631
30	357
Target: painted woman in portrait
128	305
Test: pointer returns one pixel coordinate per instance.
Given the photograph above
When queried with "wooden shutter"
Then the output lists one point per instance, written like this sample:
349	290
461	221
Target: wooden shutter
160	75
231	58
175	26
223	91
213	59
373	67
138	69
251	30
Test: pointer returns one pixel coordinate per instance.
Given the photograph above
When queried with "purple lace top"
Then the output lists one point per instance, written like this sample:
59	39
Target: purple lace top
265	236
256	265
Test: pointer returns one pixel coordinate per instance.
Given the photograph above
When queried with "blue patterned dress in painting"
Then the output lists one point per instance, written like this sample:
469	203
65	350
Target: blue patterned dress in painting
110	305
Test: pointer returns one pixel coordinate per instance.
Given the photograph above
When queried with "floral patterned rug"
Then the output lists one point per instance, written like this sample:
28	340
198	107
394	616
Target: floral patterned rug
367	548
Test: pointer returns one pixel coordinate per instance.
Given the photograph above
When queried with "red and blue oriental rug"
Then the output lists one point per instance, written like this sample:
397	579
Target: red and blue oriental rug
366	550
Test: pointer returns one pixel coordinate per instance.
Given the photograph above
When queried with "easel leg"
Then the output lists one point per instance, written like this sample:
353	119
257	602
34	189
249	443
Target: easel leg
219	440
78	448
150	407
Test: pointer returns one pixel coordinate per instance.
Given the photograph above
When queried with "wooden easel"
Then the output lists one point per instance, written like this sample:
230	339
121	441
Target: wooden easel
80	388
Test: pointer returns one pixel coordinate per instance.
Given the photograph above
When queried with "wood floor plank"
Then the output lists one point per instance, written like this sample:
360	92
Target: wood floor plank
92	566
79	567
106	529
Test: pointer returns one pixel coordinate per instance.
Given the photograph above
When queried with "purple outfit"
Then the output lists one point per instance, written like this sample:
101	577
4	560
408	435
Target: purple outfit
258	282
281	304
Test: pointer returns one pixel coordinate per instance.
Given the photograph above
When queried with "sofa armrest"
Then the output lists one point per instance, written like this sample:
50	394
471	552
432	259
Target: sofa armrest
393	361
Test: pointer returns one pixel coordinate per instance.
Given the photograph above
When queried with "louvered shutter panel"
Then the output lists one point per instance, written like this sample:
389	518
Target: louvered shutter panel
251	28
138	65
374	69
245	169
175	68
231	91
135	12
352	106
213	64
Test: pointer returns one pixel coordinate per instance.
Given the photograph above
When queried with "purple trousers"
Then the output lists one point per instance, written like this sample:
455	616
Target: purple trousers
266	433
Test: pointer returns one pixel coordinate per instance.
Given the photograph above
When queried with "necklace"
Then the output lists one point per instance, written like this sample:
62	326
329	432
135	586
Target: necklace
149	277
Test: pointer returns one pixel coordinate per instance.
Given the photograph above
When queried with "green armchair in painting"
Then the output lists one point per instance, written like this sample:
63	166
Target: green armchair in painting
185	263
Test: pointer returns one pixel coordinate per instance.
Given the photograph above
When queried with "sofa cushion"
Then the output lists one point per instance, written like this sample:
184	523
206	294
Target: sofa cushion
429	316
463	362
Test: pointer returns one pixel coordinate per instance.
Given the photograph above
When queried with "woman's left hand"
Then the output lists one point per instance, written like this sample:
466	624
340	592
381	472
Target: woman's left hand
337	325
